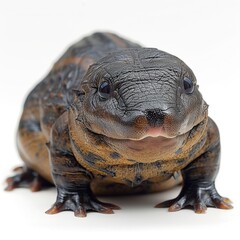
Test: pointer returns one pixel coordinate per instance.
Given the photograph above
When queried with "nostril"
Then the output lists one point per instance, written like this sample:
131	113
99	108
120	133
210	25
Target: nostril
155	117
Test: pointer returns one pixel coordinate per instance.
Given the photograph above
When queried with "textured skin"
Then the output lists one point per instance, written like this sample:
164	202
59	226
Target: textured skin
143	138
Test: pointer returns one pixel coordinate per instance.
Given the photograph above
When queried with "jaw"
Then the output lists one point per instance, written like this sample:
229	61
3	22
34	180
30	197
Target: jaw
150	147
155	145
144	143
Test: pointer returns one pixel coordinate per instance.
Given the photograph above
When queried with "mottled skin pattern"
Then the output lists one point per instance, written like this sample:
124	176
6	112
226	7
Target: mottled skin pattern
112	117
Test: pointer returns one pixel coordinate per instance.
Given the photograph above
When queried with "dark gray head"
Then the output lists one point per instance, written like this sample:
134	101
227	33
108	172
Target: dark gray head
138	93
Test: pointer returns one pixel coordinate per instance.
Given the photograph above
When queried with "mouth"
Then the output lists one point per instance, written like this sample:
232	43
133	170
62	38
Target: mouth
153	132
157	133
154	139
151	140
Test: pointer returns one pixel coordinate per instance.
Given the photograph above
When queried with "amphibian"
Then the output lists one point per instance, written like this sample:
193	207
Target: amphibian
113	117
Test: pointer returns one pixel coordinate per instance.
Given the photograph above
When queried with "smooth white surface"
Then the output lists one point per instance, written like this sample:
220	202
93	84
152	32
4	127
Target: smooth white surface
205	34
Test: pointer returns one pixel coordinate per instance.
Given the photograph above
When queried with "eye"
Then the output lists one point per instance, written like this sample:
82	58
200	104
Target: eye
104	90
188	85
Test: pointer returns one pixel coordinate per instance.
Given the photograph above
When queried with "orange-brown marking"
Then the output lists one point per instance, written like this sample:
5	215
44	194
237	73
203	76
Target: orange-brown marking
85	62
116	40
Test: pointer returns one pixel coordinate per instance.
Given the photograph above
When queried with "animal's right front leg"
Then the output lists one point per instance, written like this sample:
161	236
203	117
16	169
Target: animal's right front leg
71	179
73	188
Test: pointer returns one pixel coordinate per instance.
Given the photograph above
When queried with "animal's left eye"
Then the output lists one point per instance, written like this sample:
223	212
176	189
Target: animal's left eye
104	90
188	85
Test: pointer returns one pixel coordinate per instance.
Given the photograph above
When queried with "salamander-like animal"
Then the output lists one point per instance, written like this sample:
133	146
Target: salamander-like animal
113	117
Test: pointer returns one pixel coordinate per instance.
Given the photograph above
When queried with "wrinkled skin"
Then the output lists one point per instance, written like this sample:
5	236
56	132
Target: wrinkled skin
115	118
140	80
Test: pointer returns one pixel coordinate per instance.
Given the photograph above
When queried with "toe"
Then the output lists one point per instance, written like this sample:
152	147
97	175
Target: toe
36	185
175	207
227	200
200	208
111	206
18	169
165	204
81	212
222	203
56	208
106	210
9	180
101	208
9	187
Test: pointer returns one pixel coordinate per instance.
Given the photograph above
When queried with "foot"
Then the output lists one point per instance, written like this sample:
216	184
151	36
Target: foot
26	178
198	198
80	203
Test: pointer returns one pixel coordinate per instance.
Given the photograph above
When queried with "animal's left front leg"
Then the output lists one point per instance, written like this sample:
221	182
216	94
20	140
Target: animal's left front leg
199	190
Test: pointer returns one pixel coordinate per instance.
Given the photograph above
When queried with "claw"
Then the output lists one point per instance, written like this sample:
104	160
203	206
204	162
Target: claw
80	213
222	203
26	177
200	208
9	187
175	207
165	204
110	205
56	208
227	200
36	185
106	210
52	210
18	169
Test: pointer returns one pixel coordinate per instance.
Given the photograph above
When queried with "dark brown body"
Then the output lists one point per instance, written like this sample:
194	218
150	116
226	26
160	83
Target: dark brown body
51	98
48	127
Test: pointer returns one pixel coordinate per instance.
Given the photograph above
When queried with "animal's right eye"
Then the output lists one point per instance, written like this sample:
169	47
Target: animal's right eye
104	90
188	85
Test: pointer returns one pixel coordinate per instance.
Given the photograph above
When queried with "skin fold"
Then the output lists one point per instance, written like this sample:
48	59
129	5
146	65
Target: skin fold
113	117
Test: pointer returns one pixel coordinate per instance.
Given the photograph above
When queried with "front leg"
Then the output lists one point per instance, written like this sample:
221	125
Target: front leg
80	200
71	179
199	177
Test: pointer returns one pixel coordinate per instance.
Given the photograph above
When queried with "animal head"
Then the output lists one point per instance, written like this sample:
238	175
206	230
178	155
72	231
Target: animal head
138	93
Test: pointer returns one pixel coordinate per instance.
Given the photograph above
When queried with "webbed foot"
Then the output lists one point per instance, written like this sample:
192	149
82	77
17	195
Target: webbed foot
198	198
80	203
26	178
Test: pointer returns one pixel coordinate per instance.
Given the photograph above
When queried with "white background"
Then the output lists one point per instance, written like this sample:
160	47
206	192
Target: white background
205	34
